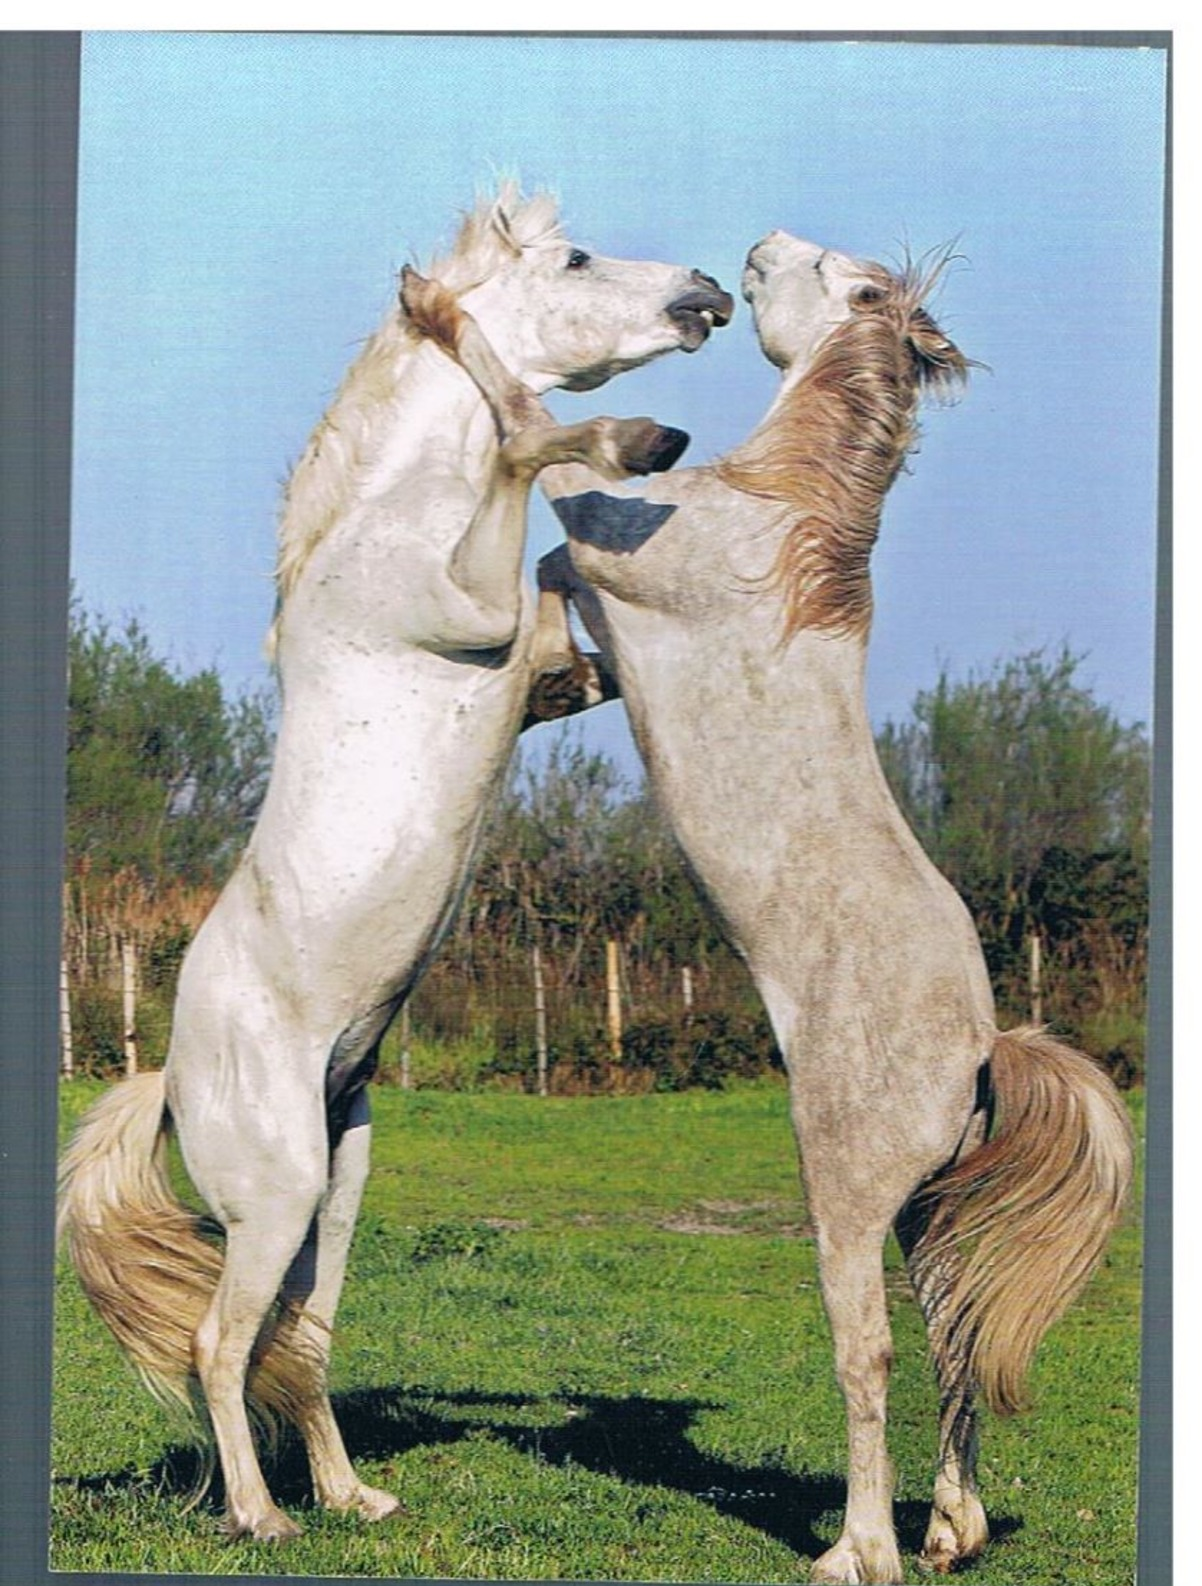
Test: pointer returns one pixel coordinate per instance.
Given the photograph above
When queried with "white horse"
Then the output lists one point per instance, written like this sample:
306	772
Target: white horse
733	603
404	645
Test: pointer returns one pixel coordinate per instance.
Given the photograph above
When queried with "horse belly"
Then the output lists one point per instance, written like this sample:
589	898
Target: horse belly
373	837
354	871
769	779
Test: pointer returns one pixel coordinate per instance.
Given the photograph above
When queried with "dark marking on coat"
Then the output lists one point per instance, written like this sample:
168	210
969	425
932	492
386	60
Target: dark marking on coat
611	523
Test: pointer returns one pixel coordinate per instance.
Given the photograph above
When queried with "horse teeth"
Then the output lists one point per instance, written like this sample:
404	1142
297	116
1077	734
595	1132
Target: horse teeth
707	316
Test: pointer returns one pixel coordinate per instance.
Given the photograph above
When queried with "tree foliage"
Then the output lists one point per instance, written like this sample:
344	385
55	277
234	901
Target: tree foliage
575	851
1033	799
164	774
1027	792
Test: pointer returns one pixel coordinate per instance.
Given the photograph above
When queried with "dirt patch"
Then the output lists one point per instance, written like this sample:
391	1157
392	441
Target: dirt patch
727	1217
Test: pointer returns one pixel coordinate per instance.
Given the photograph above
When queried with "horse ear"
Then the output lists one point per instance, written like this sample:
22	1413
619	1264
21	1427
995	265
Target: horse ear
431	308
501	222
939	362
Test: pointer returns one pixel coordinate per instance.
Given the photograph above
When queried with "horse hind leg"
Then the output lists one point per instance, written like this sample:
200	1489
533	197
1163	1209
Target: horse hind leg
851	1268
248	1354
957	1530
315	1283
258	1252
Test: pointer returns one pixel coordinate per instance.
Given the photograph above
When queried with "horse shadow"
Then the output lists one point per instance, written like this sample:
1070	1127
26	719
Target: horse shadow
636	1440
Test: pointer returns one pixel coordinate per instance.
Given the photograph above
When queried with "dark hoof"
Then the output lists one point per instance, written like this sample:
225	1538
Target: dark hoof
648	447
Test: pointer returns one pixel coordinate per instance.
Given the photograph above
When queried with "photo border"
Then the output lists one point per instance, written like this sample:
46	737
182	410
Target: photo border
39	129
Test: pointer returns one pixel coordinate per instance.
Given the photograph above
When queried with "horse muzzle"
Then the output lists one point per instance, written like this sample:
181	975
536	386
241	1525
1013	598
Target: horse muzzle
699	310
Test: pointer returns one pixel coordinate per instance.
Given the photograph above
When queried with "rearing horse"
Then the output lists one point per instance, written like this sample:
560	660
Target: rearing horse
404	642
733	604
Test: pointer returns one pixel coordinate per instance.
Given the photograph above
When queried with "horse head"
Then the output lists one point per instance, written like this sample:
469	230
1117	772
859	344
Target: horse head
801	293
559	315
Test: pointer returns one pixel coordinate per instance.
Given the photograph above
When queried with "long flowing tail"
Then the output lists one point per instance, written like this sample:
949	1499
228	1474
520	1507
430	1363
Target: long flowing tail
146	1265
1019	1224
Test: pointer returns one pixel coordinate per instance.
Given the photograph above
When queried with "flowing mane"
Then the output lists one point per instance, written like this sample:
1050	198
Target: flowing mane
832	446
347	435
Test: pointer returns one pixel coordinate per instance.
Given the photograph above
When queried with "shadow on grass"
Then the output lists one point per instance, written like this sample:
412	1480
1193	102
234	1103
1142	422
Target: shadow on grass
640	1441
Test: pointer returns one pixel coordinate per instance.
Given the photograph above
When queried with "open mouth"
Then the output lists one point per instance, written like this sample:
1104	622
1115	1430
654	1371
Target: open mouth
696	312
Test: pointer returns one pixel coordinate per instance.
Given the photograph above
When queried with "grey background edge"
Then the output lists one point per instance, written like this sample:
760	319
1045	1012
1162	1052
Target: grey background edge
39	111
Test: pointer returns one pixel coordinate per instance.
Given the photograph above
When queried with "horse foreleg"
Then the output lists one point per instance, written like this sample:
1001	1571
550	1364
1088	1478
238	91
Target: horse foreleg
564	679
434	311
485	565
614	448
315	1282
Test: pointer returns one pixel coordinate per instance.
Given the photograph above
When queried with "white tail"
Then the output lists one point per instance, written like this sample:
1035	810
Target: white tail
145	1262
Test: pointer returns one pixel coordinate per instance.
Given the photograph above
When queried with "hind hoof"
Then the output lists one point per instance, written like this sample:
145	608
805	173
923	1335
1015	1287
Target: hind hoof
954	1539
851	1563
274	1526
372	1504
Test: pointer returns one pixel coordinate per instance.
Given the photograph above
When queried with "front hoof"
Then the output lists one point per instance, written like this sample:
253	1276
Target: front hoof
564	691
954	1539
646	447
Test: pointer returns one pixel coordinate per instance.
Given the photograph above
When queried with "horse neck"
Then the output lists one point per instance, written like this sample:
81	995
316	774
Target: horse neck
827	452
400	405
432	417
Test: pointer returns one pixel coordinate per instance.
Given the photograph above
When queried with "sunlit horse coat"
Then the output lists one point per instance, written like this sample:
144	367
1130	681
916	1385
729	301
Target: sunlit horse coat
733	602
404	642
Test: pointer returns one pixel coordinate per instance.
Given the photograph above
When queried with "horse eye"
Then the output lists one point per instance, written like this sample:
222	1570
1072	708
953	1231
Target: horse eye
868	295
577	259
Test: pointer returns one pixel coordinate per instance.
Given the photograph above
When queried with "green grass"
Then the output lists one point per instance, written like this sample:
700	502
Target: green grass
583	1339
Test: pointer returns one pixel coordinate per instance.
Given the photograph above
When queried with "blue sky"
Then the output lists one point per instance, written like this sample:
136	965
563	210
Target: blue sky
245	202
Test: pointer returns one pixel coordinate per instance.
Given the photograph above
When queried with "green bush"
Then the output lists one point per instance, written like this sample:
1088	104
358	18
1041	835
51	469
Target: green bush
98	1034
702	1051
96	1030
465	1240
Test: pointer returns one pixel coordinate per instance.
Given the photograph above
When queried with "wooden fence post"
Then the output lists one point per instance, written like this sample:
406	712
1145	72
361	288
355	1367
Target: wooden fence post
1036	979
613	1000
405	1038
129	1003
540	1017
686	989
64	1016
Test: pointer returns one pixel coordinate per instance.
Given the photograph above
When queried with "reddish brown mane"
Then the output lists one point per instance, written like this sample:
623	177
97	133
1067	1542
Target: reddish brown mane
833	446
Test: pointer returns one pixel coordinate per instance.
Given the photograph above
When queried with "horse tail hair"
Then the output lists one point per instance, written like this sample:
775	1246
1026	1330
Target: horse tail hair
1014	1228
150	1267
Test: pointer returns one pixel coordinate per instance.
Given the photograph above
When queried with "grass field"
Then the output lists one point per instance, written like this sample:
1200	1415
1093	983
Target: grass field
583	1339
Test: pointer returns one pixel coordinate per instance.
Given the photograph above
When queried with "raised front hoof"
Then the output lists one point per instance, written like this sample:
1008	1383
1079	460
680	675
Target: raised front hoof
951	1542
849	1563
272	1526
564	690
645	447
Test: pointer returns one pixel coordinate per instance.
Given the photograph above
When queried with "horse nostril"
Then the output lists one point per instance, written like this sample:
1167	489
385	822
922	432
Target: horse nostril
706	280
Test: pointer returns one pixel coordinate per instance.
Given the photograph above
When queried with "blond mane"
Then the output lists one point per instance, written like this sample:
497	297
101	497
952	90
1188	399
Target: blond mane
323	480
832	447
